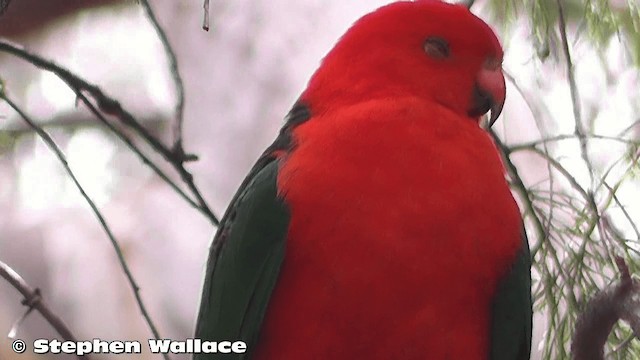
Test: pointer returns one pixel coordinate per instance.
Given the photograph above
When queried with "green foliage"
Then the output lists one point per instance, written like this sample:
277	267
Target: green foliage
577	226
598	20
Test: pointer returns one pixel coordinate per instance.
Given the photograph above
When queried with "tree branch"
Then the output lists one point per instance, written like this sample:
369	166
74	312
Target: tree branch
602	312
130	144
575	101
116	246
112	107
177	81
33	300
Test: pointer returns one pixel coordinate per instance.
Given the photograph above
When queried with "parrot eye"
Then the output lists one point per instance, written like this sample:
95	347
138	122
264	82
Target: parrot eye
436	47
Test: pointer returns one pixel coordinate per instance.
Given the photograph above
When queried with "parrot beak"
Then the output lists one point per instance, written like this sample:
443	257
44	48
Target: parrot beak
489	91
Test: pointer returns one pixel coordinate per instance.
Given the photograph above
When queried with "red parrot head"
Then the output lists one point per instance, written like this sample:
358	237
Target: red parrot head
430	49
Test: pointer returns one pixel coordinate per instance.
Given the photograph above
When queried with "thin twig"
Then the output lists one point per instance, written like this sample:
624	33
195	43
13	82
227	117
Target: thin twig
579	127
629	128
575	97
112	107
129	143
538	116
521	189
557	138
613	190
33	299
105	103
177	80
205	20
556	164
575	101
623	209
116	246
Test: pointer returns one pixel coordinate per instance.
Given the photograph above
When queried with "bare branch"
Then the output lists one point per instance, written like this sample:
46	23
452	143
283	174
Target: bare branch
112	107
130	144
33	300
177	81
116	246
105	103
575	97
575	101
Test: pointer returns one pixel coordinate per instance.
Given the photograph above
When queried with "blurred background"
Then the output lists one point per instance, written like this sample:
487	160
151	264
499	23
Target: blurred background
240	79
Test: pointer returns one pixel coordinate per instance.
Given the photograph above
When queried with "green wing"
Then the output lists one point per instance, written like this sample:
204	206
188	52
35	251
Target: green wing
246	253
243	265
512	311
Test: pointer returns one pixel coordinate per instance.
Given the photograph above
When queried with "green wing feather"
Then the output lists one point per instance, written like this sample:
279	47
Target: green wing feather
244	263
512	311
247	251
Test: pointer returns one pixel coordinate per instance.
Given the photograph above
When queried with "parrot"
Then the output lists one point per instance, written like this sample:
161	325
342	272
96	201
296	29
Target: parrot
380	224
